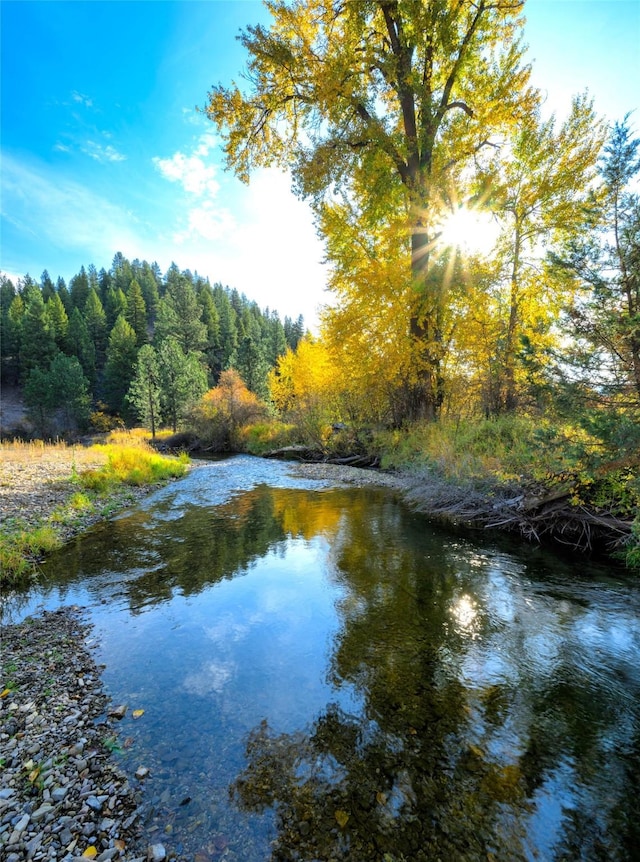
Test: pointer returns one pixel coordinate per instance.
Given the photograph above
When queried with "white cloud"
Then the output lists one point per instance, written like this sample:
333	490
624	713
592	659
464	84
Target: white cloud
82	99
209	222
190	171
102	153
206	143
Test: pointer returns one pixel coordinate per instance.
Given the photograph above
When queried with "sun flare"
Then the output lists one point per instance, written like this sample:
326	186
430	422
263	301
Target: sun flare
469	231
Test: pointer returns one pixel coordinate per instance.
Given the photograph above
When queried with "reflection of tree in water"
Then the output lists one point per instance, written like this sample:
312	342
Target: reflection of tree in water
350	790
400	782
434	768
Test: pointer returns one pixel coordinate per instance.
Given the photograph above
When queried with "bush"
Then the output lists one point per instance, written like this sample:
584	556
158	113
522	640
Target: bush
223	411
262	437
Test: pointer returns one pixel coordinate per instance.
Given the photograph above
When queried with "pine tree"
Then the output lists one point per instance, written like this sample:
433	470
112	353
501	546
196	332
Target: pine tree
12	339
144	391
136	312
96	322
115	305
120	367
79	289
47	286
80	345
183	380
58	320
60	388
180	316
38	346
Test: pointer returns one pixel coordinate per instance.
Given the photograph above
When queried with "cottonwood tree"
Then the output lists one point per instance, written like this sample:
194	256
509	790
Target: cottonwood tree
398	94
545	177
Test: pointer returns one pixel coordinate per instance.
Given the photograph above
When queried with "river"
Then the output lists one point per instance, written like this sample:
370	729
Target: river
326	676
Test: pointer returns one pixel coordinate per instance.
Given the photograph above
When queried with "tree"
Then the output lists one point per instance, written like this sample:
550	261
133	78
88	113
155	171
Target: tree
380	100
293	331
136	312
224	410
180	316
65	296
115	305
80	345
47	286
211	320
183	380
546	177
250	360
144	391
79	289
121	363
58	320
38	346
9	334
150	293
305	387
61	388
96	322
606	263
226	353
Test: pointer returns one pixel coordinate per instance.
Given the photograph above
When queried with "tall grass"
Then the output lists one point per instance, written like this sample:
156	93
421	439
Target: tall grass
131	465
508	448
19	550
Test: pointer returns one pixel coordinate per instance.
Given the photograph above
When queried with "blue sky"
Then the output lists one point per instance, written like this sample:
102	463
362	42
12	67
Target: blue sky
103	149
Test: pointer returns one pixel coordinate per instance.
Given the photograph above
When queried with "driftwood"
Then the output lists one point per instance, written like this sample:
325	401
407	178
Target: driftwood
535	515
309	455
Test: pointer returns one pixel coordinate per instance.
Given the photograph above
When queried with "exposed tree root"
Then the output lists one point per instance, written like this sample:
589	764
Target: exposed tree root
535	516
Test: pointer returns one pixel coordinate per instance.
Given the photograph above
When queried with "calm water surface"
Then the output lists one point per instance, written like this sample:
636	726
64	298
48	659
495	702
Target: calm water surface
324	676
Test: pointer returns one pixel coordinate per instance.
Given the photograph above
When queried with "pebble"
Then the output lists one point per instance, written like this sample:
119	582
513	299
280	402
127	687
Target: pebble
60	789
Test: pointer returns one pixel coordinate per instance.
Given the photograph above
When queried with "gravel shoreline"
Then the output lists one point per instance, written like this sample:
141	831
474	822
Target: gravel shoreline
62	797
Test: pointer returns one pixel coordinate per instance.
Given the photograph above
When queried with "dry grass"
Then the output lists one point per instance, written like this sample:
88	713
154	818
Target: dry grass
34	476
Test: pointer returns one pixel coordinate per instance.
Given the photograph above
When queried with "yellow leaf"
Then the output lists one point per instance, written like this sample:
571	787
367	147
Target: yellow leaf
342	817
5	692
34	774
137	713
381	797
90	853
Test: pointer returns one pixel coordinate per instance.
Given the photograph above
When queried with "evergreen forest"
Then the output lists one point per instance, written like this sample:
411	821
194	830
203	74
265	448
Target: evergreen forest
76	349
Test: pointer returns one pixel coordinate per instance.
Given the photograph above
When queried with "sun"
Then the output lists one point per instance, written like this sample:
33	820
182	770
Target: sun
470	231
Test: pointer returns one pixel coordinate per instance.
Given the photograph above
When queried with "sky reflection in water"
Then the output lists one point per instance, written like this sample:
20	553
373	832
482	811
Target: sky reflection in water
325	676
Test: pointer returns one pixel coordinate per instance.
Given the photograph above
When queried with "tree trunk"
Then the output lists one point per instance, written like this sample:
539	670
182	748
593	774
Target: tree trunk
509	400
426	392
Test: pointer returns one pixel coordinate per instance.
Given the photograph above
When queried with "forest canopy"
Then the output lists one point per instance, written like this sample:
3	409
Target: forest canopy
130	343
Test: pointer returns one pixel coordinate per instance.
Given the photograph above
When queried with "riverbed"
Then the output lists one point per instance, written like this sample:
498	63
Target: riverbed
318	673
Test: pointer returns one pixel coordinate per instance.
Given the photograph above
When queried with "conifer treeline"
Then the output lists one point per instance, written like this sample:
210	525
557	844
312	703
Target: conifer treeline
76	345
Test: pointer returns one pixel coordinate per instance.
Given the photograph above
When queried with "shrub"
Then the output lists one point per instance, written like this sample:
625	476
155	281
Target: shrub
261	437
223	411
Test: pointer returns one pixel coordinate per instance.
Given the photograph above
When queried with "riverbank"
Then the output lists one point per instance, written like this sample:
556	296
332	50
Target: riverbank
61	795
52	492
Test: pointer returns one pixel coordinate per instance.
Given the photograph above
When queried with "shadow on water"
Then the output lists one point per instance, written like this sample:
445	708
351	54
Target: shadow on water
324	676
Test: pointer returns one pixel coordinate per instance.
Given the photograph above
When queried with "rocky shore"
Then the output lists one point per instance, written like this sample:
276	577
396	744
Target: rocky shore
62	797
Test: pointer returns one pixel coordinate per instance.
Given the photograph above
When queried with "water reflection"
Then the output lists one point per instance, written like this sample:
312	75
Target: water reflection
325	677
